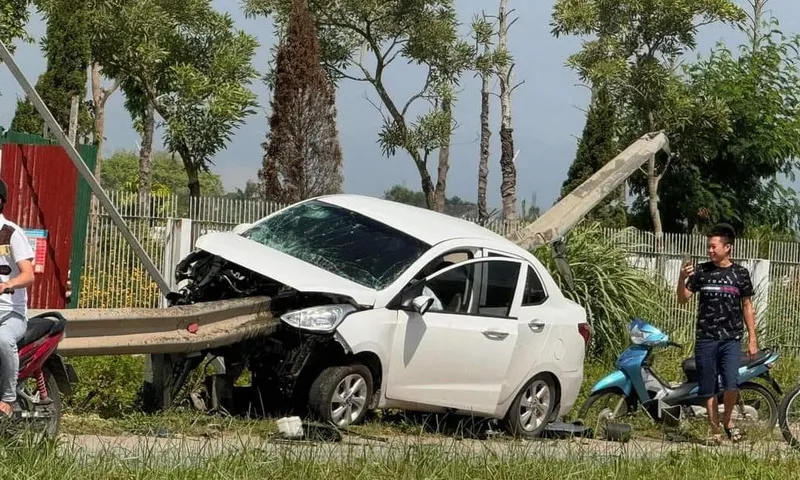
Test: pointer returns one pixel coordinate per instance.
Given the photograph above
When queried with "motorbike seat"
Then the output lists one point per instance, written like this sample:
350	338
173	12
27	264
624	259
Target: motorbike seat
40	325
690	366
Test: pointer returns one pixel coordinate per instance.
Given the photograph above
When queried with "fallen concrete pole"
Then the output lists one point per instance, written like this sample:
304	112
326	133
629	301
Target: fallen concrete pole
179	329
571	209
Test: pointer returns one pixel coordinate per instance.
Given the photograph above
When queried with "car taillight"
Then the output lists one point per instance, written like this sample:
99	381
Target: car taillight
586	332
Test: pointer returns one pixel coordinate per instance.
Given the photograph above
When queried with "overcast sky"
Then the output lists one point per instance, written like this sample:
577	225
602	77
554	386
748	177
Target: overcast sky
547	109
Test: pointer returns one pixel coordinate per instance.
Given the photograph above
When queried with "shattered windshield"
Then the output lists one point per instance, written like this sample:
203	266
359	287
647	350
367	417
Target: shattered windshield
340	241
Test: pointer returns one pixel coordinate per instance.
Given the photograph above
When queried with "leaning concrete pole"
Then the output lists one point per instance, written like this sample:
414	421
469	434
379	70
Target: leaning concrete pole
54	127
565	214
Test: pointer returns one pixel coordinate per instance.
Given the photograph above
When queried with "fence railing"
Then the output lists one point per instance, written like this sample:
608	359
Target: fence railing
113	277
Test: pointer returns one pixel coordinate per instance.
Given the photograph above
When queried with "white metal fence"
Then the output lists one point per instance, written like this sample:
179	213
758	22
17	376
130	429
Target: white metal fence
113	277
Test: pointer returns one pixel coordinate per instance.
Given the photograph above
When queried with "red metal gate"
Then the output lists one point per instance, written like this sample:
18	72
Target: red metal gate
42	188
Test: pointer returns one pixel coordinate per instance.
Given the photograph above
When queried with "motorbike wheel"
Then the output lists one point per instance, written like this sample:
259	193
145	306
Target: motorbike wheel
55	408
607	415
787	402
765	424
50	428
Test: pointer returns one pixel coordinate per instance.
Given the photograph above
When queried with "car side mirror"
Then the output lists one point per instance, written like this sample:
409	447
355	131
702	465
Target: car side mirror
422	304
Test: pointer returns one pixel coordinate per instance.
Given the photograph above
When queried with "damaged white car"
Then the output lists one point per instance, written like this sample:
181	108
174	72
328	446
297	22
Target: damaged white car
388	306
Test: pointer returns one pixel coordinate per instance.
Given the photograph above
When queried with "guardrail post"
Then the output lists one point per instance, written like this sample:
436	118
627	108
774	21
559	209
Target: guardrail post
161	370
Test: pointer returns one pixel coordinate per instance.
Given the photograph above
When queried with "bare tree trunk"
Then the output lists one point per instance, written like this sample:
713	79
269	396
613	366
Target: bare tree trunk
100	97
653	180
652	190
145	158
427	185
758	10
508	187
483	166
99	114
444	162
194	181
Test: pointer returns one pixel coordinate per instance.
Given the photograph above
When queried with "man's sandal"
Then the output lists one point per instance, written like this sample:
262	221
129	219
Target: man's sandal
714	439
734	434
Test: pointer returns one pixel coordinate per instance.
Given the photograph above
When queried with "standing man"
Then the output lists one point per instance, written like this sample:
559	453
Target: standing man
724	307
16	273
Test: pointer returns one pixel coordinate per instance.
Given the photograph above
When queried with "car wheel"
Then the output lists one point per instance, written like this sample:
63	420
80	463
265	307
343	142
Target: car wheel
533	407
341	394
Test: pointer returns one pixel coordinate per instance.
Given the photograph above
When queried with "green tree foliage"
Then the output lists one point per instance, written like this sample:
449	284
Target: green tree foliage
249	192
190	63
730	169
68	53
120	172
597	146
303	158
13	18
634	48
423	32
454	206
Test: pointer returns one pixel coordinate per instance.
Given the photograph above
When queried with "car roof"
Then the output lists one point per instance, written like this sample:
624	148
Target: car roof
426	225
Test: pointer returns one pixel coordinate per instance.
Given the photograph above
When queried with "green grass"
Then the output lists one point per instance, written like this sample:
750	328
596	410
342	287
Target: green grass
404	461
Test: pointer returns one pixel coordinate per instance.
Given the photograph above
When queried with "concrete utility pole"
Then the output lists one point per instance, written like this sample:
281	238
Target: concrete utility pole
565	214
56	129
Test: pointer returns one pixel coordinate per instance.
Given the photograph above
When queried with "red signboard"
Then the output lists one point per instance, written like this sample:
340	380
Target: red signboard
42	189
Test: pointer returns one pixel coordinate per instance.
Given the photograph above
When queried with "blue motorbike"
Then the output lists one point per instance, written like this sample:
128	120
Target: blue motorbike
635	383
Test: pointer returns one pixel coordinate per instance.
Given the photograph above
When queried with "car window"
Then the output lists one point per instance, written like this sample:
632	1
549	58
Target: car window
441	262
498	285
534	293
451	291
340	241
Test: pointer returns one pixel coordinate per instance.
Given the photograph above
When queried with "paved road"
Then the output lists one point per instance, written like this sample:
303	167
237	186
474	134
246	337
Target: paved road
180	449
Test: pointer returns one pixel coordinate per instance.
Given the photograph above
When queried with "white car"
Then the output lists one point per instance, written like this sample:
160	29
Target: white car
389	306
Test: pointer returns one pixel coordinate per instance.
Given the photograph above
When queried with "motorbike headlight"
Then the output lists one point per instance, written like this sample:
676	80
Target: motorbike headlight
637	335
324	318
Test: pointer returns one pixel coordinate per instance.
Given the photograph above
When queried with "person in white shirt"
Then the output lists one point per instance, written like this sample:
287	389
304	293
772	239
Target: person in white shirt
16	274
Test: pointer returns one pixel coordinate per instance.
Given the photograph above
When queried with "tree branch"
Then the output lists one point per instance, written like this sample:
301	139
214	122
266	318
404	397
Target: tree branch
666	166
421	92
377	107
395	41
350	77
110	91
515	86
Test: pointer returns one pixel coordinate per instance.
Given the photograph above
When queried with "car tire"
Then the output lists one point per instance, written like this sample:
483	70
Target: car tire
533	408
341	394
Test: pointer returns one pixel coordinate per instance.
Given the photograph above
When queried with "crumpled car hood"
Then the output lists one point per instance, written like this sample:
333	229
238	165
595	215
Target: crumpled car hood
288	270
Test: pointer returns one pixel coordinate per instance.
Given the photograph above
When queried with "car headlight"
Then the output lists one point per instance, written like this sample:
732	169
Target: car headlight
323	318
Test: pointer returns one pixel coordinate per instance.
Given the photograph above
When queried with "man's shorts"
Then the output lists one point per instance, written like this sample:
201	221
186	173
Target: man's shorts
717	358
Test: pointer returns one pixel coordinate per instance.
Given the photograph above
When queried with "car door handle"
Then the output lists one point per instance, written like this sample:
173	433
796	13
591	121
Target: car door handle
536	326
494	334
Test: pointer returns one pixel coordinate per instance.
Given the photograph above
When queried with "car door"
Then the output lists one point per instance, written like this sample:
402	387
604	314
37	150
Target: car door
539	332
457	353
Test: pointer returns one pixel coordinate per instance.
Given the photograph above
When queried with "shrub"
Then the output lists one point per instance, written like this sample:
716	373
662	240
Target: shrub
610	289
108	385
120	287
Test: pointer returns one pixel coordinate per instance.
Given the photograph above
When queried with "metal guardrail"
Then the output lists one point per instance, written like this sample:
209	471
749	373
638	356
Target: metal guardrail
180	329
